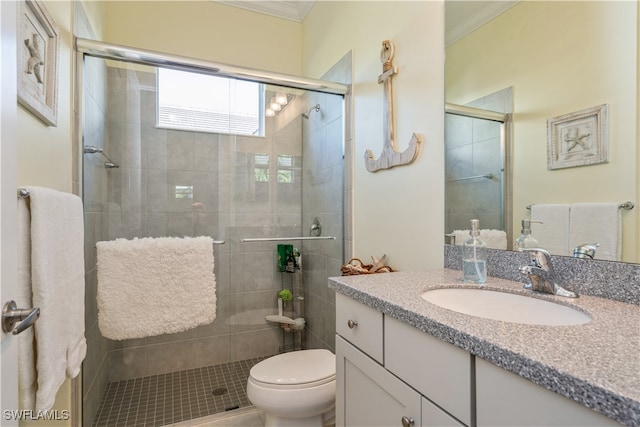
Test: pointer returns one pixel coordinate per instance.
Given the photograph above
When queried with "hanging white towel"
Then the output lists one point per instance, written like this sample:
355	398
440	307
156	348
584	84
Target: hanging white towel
553	233
27	380
597	223
495	239
57	287
154	286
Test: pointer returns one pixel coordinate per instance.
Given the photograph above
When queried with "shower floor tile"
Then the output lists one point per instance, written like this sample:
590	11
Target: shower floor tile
159	400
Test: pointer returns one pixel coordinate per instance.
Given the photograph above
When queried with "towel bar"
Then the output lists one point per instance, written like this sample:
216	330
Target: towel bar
627	206
22	193
285	239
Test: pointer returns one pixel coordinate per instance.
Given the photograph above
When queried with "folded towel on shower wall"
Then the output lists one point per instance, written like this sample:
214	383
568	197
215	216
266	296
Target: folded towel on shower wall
597	223
54	269
553	233
154	286
495	239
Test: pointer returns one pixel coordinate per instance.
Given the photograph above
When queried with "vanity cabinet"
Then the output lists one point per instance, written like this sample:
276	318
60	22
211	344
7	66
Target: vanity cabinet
391	374
368	392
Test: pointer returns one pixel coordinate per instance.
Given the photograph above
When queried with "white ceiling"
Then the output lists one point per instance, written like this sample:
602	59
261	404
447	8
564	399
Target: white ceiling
461	16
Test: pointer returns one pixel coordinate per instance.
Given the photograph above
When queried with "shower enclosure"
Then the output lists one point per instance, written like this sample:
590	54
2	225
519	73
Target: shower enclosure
253	166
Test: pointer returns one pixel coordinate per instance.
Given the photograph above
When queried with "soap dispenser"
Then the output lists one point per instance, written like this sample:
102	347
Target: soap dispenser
526	240
474	256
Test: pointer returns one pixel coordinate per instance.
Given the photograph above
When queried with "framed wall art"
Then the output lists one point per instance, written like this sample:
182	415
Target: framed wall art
578	139
38	44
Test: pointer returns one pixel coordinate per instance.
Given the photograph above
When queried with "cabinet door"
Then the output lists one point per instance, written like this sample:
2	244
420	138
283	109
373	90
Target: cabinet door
506	399
436	369
432	416
368	395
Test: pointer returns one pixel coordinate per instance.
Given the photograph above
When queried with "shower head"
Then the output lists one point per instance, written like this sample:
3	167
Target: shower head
315	107
109	164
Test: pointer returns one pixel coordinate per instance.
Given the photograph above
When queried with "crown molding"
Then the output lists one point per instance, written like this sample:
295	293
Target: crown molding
474	21
291	10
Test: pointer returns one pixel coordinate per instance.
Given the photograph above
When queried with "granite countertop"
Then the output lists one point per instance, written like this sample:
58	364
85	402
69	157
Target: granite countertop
596	364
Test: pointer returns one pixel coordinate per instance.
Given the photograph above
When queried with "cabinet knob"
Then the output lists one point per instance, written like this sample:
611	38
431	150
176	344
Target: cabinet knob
352	323
408	421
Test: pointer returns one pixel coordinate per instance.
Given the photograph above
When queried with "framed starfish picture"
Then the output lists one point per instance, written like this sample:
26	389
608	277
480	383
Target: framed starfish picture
38	44
578	139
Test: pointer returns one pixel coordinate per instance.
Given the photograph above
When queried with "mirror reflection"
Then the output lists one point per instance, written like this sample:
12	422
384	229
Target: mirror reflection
531	62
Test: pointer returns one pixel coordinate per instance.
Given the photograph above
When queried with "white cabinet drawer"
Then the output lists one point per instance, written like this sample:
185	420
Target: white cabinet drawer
438	370
360	325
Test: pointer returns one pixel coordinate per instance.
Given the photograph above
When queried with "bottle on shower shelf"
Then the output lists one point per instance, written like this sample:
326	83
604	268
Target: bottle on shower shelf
474	256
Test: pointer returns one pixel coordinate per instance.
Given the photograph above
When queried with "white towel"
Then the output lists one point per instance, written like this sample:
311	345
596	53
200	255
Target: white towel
57	287
494	239
27	381
553	234
597	223
154	286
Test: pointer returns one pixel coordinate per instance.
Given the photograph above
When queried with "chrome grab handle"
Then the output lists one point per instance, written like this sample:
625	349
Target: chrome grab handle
352	323
407	421
11	315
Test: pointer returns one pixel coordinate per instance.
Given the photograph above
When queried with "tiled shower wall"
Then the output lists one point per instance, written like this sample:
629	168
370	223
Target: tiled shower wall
472	148
227	204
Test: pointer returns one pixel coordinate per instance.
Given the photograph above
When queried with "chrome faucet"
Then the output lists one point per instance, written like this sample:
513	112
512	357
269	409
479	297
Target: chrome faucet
541	275
585	250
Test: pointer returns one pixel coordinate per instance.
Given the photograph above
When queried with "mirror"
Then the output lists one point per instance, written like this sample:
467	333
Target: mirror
556	58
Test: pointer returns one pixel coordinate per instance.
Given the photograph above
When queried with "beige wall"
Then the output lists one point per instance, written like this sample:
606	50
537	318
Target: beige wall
398	212
44	152
206	30
560	57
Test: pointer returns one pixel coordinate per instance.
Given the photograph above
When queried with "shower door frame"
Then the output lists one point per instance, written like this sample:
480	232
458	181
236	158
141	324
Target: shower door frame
147	57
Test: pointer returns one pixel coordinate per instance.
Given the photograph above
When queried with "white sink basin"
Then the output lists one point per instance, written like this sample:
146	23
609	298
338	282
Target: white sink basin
514	308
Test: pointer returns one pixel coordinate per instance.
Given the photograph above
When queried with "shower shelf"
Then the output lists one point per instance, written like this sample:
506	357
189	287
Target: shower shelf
284	239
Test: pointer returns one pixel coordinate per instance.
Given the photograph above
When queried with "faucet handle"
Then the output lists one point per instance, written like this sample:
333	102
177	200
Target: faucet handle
539	258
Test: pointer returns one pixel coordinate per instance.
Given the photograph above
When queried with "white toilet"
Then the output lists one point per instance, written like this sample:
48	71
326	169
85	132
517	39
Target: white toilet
296	389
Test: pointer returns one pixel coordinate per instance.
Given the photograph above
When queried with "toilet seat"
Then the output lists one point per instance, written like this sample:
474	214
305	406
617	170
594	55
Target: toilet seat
297	369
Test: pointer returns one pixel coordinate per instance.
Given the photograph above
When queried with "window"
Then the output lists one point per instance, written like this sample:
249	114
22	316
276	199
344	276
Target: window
204	103
262	167
285	169
184	191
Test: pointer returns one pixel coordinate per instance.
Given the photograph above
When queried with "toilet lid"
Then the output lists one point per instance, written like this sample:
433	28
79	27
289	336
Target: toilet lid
296	367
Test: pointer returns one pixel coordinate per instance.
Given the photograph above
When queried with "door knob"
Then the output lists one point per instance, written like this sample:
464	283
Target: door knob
11	315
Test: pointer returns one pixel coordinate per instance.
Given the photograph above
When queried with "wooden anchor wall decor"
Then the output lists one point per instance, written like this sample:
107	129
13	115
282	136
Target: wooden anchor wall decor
390	155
